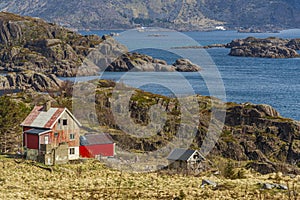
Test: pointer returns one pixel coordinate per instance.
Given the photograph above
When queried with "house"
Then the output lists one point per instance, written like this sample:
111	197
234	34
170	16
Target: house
185	160
96	146
51	135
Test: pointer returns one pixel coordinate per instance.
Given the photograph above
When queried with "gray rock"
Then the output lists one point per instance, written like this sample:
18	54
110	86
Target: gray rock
268	186
185	65
282	187
208	182
29	80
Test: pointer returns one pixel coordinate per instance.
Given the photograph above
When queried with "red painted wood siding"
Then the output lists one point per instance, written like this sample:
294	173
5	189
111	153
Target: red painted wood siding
100	149
32	141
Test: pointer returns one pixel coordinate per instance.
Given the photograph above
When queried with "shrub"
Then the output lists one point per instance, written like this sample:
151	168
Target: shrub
229	170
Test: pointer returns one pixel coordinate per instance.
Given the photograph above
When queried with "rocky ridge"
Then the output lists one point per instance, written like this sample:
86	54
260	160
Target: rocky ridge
30	80
32	44
175	14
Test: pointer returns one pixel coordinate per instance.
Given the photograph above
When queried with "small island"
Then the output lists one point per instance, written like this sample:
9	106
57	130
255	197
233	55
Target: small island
271	47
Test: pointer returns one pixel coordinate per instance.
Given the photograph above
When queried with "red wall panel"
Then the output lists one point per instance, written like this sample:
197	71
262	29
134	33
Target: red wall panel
32	141
92	150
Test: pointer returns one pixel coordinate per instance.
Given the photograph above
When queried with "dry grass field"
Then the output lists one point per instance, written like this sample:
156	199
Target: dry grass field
20	179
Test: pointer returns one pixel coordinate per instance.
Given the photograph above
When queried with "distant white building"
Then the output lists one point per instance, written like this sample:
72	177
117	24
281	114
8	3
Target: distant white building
221	28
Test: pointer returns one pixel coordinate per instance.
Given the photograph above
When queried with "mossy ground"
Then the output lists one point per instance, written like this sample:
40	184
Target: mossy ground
20	179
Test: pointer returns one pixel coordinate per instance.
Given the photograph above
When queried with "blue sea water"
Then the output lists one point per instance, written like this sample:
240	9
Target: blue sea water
258	80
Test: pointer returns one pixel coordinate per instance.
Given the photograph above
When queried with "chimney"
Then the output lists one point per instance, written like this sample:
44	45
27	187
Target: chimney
47	106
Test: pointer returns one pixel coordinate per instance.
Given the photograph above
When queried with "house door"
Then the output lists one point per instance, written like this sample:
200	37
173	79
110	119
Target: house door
46	139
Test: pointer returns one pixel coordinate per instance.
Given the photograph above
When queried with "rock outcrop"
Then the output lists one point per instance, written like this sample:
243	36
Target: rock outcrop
138	62
30	80
32	44
265	48
114	57
185	65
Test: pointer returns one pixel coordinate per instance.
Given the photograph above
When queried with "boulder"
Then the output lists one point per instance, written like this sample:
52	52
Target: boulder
208	182
185	65
270	186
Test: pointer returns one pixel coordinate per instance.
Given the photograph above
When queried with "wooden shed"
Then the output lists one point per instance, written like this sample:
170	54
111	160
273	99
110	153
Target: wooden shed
96	146
185	160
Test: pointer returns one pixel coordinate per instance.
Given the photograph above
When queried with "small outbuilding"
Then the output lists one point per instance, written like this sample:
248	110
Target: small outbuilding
96	146
185	160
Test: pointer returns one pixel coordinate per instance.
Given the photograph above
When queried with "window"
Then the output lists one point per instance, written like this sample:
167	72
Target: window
65	122
56	134
72	136
46	139
72	151
59	124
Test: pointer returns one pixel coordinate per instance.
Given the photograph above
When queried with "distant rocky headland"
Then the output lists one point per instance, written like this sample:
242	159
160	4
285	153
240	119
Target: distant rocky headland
32	44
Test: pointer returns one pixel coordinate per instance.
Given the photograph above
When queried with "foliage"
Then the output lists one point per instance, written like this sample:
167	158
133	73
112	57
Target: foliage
229	170
182	195
11	115
63	96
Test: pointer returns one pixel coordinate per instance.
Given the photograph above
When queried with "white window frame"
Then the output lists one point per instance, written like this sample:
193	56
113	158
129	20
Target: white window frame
72	151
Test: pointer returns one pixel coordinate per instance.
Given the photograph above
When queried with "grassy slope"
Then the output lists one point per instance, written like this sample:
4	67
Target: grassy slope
93	180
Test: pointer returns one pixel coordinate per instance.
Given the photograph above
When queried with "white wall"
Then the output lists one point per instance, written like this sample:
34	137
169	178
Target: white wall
74	156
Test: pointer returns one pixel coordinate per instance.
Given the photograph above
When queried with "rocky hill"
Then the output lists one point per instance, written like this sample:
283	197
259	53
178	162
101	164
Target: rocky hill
253	133
175	14
32	44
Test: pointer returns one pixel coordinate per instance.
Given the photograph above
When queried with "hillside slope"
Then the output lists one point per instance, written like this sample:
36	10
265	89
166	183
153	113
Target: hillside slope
174	14
255	133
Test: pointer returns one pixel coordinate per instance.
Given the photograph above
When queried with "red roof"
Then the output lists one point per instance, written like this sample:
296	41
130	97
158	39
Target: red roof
39	118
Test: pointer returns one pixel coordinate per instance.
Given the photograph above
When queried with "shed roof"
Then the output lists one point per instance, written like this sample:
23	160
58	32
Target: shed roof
36	131
94	139
39	118
181	154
